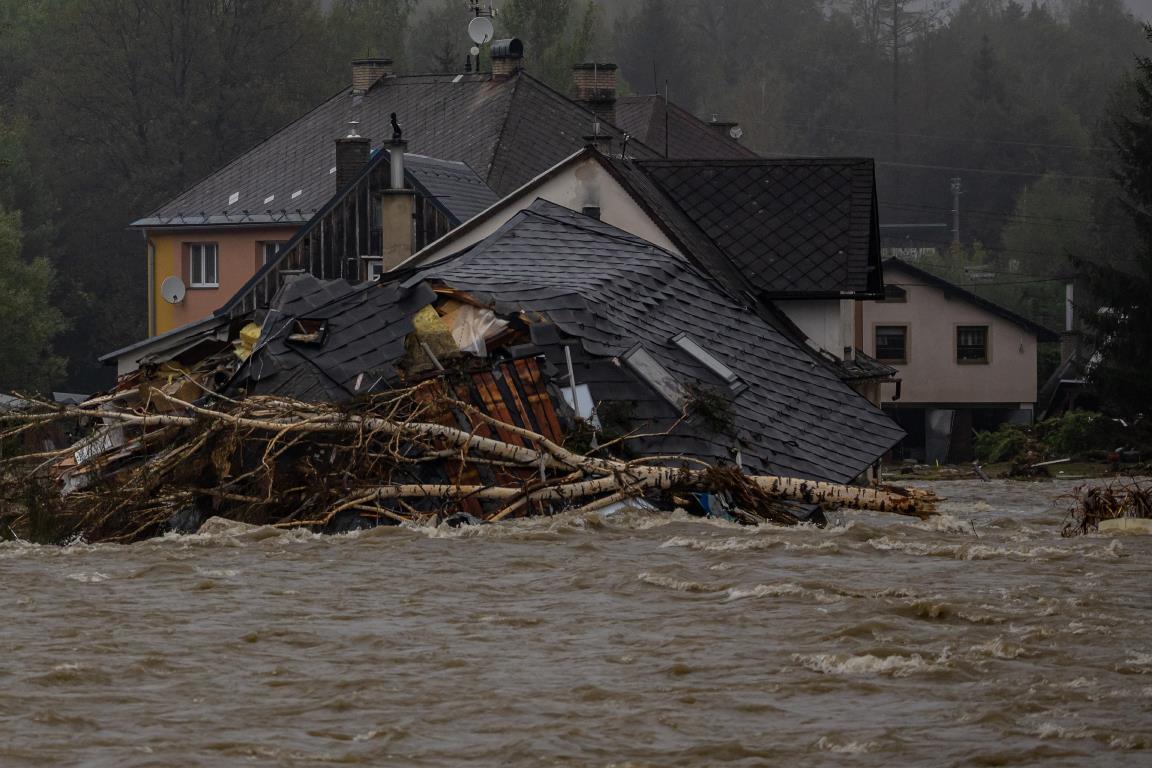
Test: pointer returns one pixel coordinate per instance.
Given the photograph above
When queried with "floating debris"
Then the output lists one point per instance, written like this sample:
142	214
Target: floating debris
1092	505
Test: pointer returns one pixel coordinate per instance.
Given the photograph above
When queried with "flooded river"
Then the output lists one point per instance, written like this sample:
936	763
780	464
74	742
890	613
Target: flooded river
981	638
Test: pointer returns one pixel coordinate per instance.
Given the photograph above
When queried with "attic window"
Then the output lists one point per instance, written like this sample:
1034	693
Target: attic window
894	294
655	375
308	331
705	358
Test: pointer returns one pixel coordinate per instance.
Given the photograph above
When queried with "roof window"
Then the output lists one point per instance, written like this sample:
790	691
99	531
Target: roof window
657	376
707	359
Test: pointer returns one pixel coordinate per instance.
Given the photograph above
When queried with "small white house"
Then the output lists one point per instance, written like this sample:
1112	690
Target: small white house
963	363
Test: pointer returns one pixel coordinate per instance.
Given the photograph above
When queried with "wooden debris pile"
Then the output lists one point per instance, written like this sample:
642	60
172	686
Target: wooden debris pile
417	455
1090	505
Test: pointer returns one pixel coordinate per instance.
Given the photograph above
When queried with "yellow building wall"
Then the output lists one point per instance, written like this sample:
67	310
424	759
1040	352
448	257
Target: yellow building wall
239	256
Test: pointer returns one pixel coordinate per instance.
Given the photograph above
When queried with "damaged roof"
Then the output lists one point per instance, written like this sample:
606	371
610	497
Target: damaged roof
783	228
613	292
357	335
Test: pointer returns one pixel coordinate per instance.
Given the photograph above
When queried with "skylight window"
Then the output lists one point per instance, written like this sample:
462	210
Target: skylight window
269	199
657	376
297	193
232	198
707	359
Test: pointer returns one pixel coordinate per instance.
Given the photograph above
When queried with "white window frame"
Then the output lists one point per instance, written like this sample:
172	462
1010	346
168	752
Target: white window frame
374	270
200	255
274	245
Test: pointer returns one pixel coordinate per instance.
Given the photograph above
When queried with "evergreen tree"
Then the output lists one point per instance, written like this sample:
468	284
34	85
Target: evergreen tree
1121	328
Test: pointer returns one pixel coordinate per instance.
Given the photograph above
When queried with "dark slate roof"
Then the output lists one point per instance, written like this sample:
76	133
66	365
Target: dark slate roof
366	327
451	185
455	187
791	227
688	136
611	290
506	130
955	291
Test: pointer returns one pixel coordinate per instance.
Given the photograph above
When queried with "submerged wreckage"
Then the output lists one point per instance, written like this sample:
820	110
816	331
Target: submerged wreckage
558	363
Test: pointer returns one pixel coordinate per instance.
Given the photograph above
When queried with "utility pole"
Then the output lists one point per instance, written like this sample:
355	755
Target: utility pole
957	190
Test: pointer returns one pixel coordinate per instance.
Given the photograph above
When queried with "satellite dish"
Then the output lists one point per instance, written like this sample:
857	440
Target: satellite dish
736	132
480	30
173	290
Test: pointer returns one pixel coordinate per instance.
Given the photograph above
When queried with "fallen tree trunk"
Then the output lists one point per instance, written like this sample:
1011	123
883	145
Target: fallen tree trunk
278	461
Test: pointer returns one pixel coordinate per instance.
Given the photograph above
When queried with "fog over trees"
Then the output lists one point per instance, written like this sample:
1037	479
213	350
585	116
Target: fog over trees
110	107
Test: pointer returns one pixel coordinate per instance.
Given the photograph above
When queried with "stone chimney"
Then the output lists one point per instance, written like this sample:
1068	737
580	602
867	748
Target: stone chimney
507	58
352	152
594	88
367	72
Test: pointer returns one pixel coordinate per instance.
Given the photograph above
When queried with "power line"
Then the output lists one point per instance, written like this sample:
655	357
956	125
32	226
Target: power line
956	168
987	213
934	137
993	171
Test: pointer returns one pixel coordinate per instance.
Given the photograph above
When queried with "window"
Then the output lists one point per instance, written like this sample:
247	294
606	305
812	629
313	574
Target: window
269	249
202	266
971	344
707	359
892	343
894	294
375	268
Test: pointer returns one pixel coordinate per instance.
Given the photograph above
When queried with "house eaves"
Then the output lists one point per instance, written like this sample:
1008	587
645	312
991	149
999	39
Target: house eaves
952	290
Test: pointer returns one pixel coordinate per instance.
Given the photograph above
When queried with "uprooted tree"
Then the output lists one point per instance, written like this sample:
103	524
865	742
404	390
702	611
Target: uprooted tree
410	455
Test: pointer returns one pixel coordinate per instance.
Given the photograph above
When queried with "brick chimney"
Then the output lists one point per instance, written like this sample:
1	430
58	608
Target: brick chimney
367	72
594	88
507	58
352	153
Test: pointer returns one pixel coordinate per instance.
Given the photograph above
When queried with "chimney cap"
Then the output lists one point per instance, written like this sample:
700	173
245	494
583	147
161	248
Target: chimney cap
596	65
509	48
372	61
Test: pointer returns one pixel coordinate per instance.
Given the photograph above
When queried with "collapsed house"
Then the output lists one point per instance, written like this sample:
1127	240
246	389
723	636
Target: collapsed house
557	363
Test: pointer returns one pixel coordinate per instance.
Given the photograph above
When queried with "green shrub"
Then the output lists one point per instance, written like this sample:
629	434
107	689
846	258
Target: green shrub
1005	444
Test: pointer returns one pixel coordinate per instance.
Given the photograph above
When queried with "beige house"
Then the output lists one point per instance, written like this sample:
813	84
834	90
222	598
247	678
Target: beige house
963	362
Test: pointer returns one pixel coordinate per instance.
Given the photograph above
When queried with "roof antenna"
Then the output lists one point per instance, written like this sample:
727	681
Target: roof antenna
666	90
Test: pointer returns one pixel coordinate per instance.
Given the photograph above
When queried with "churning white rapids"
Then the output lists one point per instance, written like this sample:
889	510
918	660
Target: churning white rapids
643	639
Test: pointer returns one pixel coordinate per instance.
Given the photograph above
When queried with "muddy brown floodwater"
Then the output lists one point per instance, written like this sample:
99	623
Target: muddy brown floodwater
981	638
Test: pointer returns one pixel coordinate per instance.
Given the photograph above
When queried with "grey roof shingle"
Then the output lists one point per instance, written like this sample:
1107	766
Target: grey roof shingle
643	117
366	327
611	290
506	130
